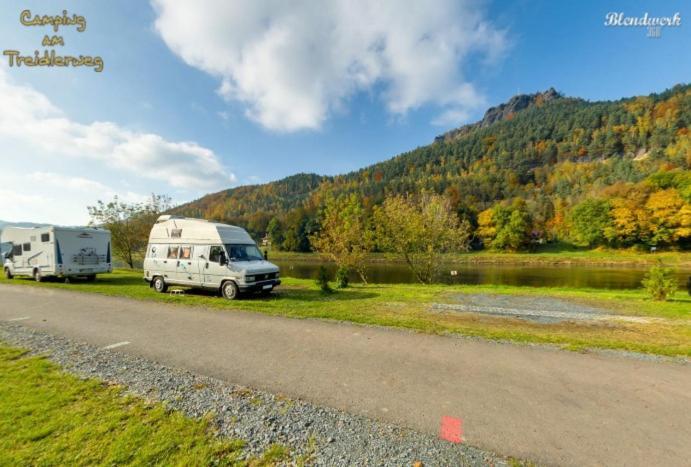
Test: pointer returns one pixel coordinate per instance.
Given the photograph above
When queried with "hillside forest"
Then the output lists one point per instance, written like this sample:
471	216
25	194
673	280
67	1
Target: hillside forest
539	169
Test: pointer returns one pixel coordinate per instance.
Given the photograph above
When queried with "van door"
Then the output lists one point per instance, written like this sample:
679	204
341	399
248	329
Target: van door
169	266
214	271
188	266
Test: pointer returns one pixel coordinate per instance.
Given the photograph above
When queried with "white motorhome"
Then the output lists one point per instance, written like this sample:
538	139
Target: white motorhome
52	251
202	254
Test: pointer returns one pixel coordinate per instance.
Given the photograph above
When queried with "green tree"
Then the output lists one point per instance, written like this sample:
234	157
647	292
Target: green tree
660	282
590	220
275	233
344	236
298	227
322	280
420	229
505	227
129	224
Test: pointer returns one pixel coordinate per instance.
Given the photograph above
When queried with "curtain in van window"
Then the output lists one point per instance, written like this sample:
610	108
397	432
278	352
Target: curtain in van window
173	251
185	252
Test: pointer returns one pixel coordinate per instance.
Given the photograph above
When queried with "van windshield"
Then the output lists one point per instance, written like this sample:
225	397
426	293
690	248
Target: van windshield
244	253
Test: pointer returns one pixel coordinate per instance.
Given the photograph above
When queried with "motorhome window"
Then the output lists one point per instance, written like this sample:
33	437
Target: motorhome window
244	253
176	233
16	250
215	254
185	252
173	252
45	237
26	247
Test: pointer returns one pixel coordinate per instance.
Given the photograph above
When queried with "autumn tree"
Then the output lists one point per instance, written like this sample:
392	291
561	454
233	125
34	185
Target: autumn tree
669	216
129	224
420	229
344	236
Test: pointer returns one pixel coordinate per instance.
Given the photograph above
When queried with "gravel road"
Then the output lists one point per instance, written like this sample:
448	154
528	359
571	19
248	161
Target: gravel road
539	309
324	436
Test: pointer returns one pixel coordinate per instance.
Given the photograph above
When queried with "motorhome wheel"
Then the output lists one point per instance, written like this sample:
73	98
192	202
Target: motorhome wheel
229	290
160	285
8	274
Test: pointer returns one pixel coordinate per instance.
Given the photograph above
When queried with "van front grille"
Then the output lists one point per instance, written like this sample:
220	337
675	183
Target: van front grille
263	277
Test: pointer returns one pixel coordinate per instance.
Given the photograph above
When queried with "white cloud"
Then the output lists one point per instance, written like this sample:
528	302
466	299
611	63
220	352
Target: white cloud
54	167
50	197
293	63
29	117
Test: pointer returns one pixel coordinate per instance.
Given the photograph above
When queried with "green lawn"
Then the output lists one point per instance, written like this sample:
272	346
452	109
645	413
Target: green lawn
664	328
48	417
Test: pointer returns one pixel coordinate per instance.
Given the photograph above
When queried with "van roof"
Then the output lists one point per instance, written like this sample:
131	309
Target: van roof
175	229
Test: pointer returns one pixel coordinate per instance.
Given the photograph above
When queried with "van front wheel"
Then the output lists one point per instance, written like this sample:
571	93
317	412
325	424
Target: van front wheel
159	284
230	290
8	274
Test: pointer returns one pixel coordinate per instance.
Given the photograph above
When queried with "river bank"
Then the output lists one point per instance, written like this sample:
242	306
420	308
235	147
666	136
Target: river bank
598	257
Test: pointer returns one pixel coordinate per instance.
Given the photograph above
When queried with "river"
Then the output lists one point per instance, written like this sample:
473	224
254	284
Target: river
578	276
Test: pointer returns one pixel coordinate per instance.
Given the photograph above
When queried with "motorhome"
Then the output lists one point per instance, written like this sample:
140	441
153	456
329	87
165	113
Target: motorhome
53	251
200	254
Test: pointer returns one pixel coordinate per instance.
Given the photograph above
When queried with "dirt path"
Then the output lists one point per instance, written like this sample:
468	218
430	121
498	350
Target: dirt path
538	403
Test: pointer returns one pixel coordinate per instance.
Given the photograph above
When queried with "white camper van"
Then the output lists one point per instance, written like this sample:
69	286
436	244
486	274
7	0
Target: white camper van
41	252
203	254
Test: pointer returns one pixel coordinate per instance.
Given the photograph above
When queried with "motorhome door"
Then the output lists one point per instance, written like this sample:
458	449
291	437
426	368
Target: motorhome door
215	268
187	270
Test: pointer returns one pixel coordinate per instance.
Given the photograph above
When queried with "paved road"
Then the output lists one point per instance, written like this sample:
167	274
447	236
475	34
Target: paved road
548	405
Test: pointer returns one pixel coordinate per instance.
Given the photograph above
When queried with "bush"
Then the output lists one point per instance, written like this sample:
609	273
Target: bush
660	283
342	278
323	280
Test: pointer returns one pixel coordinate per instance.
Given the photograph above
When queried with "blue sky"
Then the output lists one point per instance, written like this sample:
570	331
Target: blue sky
195	99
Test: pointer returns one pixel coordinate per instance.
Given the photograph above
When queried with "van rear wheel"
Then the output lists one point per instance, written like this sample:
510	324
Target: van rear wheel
8	274
159	284
230	290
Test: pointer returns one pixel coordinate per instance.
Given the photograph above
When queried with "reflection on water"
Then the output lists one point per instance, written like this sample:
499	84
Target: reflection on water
603	277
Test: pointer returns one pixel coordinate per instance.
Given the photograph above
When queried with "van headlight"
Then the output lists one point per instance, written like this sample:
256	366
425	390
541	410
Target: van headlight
249	278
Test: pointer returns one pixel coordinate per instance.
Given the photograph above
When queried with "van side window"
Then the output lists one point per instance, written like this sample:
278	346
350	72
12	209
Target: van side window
16	250
173	252
215	254
185	252
45	237
26	247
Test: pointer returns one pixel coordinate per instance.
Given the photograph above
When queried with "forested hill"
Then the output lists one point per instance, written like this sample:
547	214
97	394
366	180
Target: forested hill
544	154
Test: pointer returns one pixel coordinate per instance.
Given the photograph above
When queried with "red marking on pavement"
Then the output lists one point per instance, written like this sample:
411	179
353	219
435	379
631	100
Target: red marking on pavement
451	429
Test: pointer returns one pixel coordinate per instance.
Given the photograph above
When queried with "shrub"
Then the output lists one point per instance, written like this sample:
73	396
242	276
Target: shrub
323	280
342	278
660	283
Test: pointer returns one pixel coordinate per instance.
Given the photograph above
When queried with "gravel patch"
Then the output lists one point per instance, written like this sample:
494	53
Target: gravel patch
539	309
324	436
